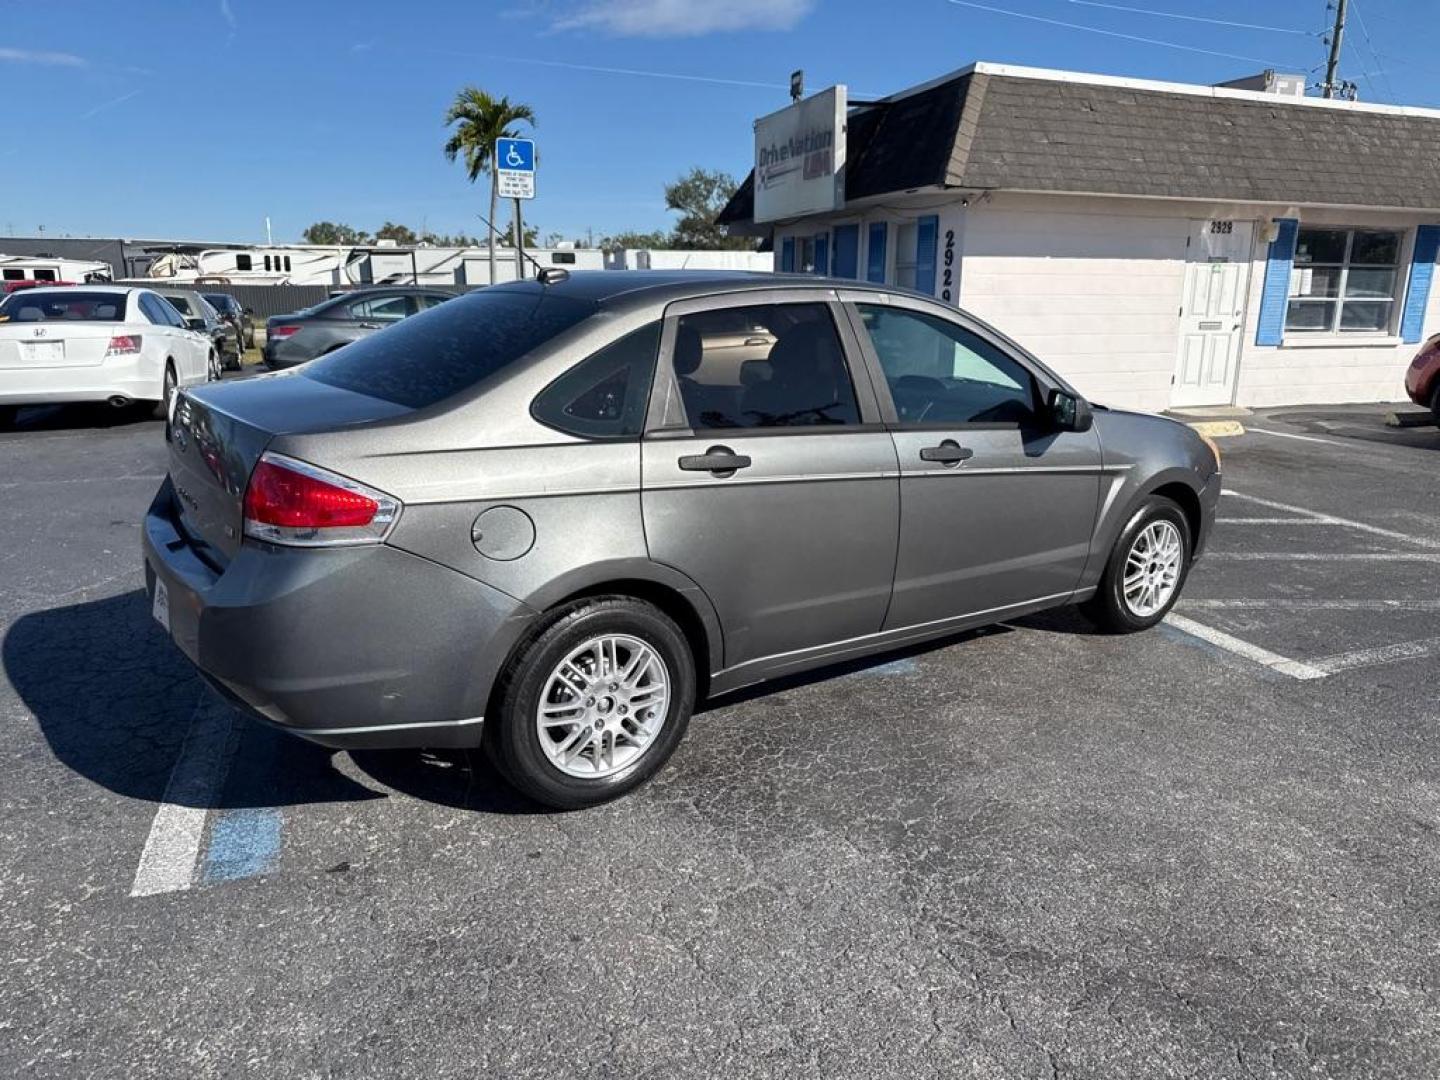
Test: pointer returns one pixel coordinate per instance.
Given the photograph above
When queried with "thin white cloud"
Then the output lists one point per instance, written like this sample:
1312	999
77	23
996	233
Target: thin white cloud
683	18
38	56
228	15
109	104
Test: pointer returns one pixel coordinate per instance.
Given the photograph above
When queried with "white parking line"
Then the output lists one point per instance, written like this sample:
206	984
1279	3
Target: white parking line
1311	522
1317	515
1302	438
1381	654
167	864
1327	556
1274	661
1244	603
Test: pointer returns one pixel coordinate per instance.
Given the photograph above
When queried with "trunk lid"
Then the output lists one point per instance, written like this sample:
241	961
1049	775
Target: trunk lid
31	346
219	431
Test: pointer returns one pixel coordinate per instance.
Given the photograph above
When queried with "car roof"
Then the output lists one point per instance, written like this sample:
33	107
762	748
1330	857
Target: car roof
120	290
615	288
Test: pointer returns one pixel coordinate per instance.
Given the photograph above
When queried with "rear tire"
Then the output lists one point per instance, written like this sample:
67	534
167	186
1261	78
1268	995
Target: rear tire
1146	570
593	704
167	392
9	414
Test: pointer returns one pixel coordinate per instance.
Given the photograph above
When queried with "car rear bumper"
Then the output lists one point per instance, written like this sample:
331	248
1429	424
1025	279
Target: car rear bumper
285	353
135	378
365	646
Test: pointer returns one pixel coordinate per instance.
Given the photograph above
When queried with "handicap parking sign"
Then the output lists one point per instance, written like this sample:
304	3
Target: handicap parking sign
515	168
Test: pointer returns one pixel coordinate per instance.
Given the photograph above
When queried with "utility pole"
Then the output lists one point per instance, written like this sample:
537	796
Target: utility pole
1330	85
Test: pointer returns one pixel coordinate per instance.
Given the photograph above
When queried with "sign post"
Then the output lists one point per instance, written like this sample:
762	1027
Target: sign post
515	173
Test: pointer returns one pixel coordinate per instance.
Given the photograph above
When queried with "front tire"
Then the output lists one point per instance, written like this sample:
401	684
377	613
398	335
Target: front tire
1146	570
593	704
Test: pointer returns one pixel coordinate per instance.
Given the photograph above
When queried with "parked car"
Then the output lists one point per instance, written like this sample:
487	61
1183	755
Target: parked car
7	287
241	318
204	319
1422	377
295	339
94	343
552	507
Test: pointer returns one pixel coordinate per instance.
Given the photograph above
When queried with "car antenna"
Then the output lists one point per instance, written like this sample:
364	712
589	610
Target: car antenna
543	274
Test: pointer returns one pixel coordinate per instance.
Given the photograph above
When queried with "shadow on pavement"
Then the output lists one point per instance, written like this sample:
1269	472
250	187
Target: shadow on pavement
114	701
1367	425
76	417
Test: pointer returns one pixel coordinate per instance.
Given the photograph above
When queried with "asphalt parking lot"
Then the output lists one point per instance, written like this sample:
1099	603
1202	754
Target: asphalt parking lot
1205	851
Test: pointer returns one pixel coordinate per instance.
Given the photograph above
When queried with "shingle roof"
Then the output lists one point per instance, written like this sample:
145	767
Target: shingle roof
986	130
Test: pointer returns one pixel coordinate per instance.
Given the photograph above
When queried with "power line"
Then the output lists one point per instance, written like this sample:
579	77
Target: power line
1369	44
1196	18
1116	33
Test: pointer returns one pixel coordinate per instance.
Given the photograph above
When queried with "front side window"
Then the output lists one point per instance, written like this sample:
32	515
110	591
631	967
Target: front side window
1343	281
448	349
771	365
941	373
604	395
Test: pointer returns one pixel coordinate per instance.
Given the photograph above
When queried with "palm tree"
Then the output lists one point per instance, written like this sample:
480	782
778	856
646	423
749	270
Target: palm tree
482	120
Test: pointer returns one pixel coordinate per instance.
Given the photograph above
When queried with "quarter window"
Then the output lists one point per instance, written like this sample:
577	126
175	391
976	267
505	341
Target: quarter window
604	395
941	373
773	365
1343	281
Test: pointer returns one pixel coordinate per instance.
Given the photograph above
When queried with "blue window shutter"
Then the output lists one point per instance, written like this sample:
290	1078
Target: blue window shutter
787	255
1417	293
1270	326
927	233
822	253
875	253
847	251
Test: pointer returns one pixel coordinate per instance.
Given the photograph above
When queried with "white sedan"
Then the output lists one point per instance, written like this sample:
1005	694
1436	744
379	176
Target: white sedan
97	343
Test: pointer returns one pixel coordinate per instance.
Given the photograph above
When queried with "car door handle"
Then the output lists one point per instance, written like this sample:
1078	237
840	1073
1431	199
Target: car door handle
720	460
753	341
369	326
948	452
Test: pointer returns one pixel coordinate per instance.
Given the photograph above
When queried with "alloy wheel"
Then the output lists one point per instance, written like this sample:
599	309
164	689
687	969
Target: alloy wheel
1152	568
603	705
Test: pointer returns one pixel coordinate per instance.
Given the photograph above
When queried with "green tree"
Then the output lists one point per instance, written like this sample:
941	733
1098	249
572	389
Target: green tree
530	239
479	120
657	240
698	197
401	234
330	232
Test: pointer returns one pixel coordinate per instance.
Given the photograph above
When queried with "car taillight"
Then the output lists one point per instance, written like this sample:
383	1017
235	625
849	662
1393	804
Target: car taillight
123	345
276	333
291	502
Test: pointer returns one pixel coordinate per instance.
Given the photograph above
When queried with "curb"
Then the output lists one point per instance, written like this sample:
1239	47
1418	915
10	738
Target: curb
1218	429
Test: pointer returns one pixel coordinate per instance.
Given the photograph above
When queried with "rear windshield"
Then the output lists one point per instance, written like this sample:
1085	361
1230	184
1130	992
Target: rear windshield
219	300
67	306
449	348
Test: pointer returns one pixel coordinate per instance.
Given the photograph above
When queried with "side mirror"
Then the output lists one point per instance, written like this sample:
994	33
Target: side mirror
1070	412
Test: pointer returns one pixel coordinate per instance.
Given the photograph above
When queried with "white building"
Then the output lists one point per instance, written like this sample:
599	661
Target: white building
1160	244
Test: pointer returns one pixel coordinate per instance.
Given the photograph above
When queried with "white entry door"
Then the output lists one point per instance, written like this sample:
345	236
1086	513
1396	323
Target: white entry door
1212	312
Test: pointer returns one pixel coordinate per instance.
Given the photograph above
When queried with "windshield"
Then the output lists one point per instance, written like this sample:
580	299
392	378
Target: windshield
220	300
449	348
67	306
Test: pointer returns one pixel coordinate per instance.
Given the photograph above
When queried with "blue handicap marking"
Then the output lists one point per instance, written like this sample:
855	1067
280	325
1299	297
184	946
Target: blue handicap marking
243	843
515	155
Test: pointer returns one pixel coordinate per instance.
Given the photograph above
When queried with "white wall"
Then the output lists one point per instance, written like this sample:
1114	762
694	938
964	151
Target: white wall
1092	285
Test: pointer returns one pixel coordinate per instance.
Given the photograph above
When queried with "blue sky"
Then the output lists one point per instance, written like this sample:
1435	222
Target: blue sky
197	118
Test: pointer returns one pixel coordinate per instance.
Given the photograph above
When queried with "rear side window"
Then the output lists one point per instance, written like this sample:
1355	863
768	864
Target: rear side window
64	306
604	395
772	365
447	349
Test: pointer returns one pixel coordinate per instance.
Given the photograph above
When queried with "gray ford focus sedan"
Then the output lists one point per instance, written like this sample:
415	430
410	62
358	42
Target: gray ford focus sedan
552	516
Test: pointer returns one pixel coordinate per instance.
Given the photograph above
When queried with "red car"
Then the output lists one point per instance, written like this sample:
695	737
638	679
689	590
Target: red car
1422	378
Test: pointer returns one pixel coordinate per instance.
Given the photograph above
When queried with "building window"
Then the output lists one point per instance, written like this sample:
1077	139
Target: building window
1343	281
907	246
